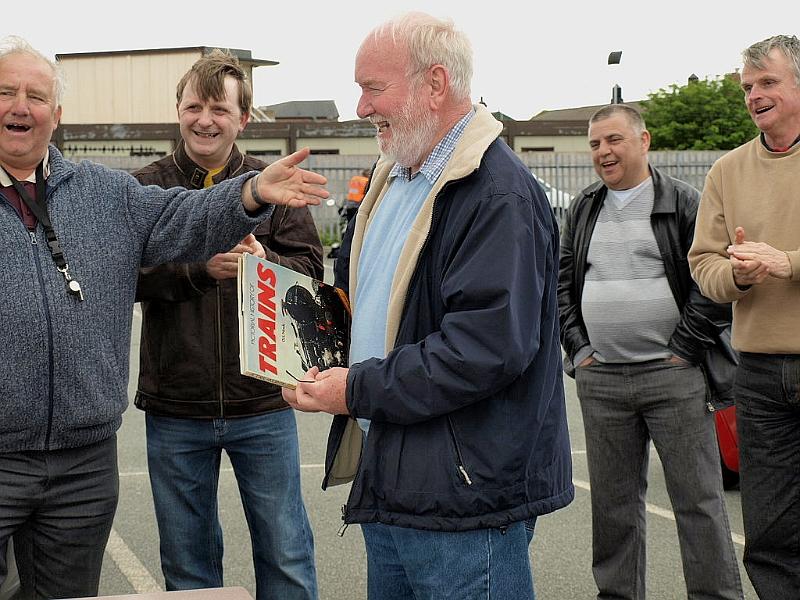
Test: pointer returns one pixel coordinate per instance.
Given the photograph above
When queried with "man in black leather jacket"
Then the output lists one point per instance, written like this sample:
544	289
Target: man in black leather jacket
196	400
635	330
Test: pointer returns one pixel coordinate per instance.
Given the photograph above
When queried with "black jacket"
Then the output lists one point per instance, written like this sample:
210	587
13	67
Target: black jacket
189	356
468	423
672	219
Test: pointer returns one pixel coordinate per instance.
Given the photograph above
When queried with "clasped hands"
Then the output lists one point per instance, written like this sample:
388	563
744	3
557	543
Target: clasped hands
753	262
320	391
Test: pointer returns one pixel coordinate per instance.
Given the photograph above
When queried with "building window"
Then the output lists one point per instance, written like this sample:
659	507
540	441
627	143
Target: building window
538	149
326	151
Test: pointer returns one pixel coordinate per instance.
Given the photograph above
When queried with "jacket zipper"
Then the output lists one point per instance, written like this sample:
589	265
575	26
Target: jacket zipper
220	362
50	359
344	525
459	458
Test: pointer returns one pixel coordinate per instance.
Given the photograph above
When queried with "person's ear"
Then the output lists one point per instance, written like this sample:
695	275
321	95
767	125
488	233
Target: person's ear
439	80
243	121
645	140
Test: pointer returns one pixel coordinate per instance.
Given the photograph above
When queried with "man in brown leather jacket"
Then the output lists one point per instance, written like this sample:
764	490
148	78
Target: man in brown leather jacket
196	400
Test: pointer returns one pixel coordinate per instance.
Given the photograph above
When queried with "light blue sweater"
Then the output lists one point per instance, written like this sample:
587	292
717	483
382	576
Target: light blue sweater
64	363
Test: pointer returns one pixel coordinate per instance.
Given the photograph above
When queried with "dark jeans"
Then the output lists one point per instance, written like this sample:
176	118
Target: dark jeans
59	505
624	407
768	422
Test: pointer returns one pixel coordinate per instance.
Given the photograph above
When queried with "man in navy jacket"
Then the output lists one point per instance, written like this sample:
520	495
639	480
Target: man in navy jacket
455	365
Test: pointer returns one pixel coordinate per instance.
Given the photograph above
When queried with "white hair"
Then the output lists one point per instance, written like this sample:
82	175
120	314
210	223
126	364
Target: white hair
13	44
431	41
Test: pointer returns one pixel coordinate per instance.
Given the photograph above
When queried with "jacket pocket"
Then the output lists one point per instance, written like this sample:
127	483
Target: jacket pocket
460	466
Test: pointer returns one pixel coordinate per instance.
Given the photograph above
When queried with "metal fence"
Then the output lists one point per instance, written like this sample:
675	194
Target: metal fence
562	174
338	169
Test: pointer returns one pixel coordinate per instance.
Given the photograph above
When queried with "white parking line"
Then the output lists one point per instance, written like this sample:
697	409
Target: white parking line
656	510
130	565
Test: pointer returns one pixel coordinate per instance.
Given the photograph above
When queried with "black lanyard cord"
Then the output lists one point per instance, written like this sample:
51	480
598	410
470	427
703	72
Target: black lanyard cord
38	207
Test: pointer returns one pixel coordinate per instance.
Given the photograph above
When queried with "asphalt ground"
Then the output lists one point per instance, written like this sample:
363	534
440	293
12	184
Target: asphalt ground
560	553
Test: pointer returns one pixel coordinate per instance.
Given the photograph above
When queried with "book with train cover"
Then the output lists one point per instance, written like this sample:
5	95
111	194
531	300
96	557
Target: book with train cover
288	322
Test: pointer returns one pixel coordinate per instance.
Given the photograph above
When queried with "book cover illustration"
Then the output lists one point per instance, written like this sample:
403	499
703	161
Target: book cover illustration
288	322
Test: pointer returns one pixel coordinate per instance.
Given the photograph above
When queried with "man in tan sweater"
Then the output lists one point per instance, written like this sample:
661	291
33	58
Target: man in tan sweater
746	250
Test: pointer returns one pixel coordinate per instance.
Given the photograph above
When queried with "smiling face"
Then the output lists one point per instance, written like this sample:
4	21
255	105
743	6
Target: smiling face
29	113
772	96
394	103
209	127
619	152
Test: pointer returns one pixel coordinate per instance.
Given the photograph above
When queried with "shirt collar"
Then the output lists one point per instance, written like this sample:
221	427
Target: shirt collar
437	160
196	175
5	180
766	145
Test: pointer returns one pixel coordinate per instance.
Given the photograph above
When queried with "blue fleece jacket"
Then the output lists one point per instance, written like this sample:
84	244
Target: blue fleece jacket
64	363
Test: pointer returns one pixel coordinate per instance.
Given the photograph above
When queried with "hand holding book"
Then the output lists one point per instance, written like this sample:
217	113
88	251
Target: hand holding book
226	264
320	391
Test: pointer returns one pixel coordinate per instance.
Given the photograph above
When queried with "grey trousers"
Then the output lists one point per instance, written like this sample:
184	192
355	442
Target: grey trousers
59	505
624	407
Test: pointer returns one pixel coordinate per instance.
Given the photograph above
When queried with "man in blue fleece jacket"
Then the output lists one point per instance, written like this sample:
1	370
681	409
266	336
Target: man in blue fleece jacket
67	294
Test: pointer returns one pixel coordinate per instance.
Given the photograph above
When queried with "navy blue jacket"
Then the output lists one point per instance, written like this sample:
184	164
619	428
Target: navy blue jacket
468	417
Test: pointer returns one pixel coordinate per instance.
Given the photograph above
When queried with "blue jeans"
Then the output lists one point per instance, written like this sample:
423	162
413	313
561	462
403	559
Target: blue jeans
625	406
414	564
768	422
183	457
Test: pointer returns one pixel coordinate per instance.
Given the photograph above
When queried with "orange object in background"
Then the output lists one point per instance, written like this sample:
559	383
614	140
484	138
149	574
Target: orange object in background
357	188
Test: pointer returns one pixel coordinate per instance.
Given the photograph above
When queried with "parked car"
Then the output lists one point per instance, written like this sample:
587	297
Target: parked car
559	199
728	440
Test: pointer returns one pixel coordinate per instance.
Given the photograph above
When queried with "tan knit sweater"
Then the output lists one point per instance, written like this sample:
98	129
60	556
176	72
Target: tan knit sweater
759	190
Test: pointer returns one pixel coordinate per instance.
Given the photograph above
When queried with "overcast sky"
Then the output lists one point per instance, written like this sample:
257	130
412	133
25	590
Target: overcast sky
529	56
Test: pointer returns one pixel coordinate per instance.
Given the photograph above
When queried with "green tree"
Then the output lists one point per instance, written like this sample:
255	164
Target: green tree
707	114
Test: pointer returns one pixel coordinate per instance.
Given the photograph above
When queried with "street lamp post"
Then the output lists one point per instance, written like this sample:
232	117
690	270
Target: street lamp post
616	91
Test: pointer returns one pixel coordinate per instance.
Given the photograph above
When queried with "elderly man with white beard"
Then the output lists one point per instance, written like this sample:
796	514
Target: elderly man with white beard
450	420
